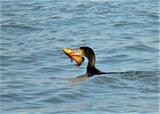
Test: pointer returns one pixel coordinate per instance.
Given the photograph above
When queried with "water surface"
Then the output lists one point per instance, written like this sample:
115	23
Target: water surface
35	72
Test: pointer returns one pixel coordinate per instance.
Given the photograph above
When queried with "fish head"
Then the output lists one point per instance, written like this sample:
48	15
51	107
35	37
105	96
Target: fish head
76	55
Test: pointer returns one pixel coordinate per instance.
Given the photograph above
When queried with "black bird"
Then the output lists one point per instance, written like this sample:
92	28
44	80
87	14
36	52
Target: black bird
91	70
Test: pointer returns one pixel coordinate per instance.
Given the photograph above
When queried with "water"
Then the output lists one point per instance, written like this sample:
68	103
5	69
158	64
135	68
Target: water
35	72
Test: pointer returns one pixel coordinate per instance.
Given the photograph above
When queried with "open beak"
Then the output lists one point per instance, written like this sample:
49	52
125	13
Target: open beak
76	55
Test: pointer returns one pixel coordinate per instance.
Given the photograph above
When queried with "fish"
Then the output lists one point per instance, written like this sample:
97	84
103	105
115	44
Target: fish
74	55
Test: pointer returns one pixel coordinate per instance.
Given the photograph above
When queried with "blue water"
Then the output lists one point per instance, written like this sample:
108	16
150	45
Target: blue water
35	73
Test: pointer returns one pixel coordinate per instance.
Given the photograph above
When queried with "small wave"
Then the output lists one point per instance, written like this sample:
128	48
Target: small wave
142	47
17	25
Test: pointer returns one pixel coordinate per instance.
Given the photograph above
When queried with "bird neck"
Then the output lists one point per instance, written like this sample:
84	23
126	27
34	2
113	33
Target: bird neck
91	61
89	54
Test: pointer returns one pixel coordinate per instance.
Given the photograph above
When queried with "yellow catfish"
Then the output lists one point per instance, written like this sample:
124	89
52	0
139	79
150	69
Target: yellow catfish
74	55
